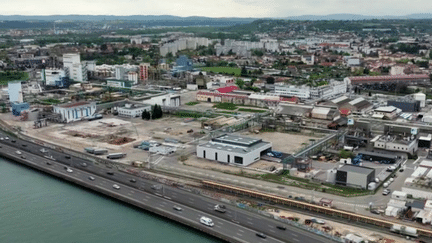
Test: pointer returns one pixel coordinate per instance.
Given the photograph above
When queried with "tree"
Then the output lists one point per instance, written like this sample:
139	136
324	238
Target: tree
244	72
146	115
240	83
156	112
104	47
270	80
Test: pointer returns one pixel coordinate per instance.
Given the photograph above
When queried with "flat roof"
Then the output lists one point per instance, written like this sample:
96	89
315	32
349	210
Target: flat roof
75	104
234	148
356	169
236	140
386	109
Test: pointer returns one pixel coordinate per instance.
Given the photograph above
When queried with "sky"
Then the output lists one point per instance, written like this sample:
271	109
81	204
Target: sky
215	8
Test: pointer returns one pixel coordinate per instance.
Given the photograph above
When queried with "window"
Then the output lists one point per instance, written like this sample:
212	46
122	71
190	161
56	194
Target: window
228	160
204	154
216	158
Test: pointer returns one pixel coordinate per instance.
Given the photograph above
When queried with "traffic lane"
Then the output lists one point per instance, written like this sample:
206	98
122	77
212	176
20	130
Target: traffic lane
248	219
193	201
221	226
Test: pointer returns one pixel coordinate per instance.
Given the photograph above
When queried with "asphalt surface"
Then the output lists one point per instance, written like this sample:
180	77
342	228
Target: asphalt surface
238	223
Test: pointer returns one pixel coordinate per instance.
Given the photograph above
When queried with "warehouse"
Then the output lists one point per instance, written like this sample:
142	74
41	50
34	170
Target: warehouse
233	149
75	111
406	104
355	176
325	113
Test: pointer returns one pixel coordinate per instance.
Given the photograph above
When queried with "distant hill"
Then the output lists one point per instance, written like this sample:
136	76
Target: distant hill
358	17
235	20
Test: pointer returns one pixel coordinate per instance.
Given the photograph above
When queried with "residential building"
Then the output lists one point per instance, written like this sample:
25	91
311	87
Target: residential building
232	149
144	71
75	111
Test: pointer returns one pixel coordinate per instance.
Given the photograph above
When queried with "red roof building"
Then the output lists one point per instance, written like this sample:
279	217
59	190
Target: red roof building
227	89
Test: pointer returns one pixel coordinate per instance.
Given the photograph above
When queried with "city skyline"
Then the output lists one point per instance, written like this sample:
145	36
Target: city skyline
222	8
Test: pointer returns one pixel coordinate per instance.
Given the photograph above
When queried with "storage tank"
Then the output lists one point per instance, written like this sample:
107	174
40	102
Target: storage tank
331	176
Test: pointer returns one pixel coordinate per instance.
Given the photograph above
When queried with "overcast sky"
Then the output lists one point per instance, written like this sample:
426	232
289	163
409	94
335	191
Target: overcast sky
215	8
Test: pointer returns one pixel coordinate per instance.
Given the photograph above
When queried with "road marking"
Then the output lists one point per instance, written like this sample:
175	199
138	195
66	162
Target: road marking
161	205
144	199
218	226
250	222
294	235
272	231
241	230
295	239
132	191
164	202
239	234
129	194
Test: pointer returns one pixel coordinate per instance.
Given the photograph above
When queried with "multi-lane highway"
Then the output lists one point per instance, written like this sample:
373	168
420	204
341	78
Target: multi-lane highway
236	223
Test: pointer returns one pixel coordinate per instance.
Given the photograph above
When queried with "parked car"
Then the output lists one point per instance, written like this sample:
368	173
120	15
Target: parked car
386	192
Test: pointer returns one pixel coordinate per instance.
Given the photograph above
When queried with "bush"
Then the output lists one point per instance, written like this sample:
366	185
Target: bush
192	103
226	106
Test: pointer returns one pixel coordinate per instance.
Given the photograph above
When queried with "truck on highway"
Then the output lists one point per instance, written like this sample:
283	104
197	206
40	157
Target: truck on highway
404	230
116	156
96	151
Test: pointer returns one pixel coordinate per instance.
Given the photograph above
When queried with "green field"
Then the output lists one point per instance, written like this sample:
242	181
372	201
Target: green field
223	70
251	110
8	76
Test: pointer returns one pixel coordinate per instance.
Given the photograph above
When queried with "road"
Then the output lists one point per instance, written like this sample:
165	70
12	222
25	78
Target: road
194	206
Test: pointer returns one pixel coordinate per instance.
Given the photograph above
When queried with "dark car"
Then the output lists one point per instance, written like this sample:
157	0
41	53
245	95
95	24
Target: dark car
110	173
23	157
132	180
13	141
262	235
375	211
49	163
222	206
281	227
67	156
24	145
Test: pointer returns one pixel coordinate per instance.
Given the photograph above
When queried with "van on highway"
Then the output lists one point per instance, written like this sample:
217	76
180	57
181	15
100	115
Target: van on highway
206	221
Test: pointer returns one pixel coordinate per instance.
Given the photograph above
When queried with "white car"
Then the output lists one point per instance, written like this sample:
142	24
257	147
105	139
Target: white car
18	152
206	221
69	170
115	186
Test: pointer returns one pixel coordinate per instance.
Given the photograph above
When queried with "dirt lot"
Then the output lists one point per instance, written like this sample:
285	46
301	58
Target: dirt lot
284	142
99	133
213	165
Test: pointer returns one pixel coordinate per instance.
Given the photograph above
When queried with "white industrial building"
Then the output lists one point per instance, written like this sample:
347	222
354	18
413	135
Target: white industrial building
52	76
233	149
333	89
171	100
75	111
418	184
132	110
74	69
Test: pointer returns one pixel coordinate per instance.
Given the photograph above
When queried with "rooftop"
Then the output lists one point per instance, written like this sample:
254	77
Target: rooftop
68	105
229	143
390	77
356	169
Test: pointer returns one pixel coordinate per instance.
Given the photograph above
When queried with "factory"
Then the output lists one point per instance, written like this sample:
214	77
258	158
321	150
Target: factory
232	149
397	138
354	176
75	111
406	104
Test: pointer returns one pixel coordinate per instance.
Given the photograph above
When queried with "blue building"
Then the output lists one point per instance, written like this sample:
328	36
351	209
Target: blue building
17	108
183	64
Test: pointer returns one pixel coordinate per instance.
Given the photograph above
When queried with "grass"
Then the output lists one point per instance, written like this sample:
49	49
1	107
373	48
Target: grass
7	76
51	101
228	112
224	70
192	103
251	110
226	106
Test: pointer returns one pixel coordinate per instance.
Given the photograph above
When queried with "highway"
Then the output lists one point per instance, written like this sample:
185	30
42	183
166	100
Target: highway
239	224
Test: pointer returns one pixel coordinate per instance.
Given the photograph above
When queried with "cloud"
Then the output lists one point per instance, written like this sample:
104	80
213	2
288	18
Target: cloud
220	8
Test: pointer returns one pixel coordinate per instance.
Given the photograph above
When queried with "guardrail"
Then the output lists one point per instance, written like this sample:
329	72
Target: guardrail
308	206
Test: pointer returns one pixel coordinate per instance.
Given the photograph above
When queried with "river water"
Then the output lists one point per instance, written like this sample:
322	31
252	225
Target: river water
36	207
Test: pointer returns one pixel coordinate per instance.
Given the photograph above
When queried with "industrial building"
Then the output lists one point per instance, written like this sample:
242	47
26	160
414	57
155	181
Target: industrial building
233	149
119	83
387	79
419	183
397	138
74	69
389	112
406	104
75	111
325	113
170	100
132	110
55	78
355	176
425	142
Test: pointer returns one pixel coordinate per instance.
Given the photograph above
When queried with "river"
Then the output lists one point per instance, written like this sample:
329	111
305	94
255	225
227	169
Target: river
36	207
